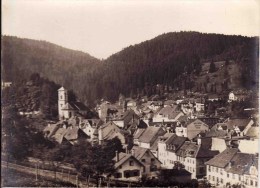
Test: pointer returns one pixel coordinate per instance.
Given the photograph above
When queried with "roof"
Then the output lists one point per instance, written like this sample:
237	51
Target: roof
139	152
188	149
71	133
138	133
150	134
221	160
175	141
253	132
78	106
59	134
62	89
169	102
68	106
241	163
123	157
241	123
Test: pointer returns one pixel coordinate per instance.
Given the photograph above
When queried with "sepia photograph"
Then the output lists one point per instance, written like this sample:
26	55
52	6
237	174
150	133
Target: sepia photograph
128	93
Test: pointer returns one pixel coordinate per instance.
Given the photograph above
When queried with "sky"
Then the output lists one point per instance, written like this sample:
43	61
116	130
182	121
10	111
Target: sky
102	28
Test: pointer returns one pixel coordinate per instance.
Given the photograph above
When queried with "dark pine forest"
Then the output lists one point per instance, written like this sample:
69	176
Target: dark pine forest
172	60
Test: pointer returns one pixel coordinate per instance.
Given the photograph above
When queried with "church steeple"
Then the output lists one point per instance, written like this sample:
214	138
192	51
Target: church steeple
62	100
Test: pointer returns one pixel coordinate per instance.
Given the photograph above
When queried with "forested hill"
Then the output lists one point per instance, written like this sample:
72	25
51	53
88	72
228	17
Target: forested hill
165	60
22	57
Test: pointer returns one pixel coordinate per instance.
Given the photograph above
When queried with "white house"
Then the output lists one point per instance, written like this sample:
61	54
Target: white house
232	167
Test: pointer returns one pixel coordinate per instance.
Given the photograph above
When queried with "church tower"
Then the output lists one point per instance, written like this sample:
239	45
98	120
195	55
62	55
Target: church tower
62	100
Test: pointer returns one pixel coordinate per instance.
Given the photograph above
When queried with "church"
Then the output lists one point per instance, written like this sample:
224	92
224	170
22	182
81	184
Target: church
69	109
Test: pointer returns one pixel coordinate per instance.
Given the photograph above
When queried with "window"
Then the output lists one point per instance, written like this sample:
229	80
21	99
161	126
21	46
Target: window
118	175
143	160
251	182
131	163
209	169
61	97
256	183
61	105
213	178
246	182
209	177
152	160
221	180
217	169
228	175
120	166
233	176
239	178
153	168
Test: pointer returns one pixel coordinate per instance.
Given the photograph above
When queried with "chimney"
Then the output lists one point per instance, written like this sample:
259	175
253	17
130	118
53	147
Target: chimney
117	156
199	140
100	136
133	152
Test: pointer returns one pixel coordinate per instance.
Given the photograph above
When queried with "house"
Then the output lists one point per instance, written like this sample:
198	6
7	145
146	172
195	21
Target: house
63	131
239	125
213	97
5	84
150	162
127	168
154	105
238	95
191	129
126	119
199	105
169	103
149	136
131	104
168	145
193	156
167	114
232	167
69	109
110	130
187	106
90	127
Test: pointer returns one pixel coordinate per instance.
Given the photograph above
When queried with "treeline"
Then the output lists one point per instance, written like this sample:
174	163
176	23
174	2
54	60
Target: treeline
169	60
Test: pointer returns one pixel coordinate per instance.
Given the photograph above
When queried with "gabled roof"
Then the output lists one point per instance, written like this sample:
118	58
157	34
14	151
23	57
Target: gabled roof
139	152
221	160
59	134
241	163
71	133
123	157
138	133
150	134
239	122
175	141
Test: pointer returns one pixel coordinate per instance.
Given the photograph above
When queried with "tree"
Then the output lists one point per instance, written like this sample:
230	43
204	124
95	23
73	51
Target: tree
16	134
212	67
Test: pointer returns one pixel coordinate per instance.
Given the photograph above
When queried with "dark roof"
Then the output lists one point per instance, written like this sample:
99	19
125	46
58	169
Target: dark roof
221	160
240	163
175	141
71	133
150	134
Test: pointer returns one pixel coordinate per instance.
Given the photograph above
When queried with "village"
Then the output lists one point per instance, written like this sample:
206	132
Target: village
172	136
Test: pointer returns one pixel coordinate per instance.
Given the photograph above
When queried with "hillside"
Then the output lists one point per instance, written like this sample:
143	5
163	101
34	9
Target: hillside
173	60
176	60
22	57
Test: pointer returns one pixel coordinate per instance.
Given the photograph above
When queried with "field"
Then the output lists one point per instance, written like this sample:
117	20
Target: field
13	178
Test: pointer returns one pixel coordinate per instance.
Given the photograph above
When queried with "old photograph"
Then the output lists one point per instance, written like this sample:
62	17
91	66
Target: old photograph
127	93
